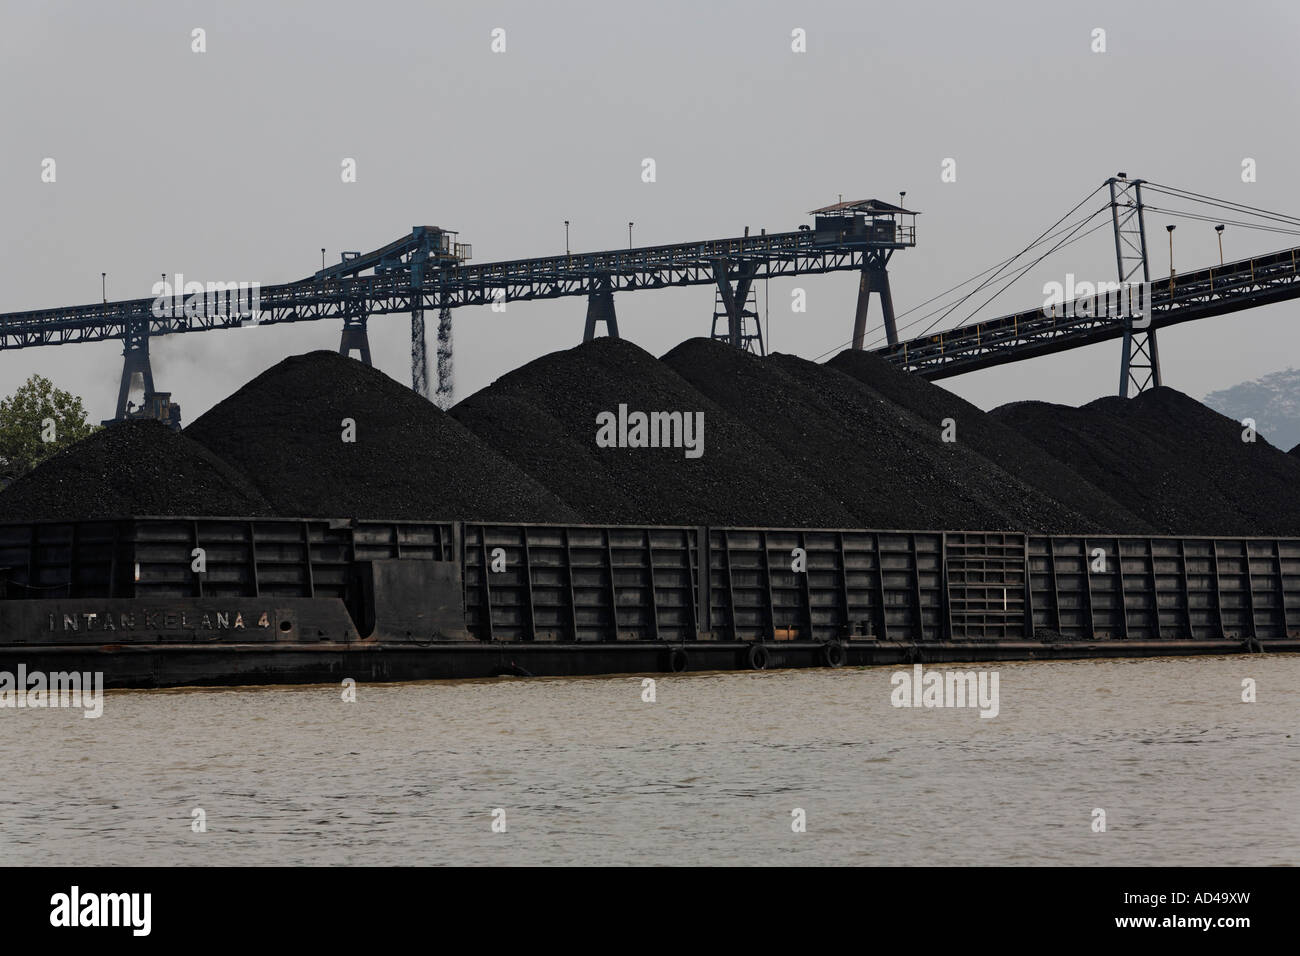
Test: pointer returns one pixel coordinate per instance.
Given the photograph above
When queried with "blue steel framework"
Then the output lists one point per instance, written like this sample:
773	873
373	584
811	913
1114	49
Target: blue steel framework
427	270
654	267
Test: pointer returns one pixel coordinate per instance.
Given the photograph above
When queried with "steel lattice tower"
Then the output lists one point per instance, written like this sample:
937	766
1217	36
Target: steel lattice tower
1140	360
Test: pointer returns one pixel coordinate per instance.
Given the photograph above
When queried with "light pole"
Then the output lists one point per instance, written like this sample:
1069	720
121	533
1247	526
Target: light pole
1219	230
629	235
1171	259
566	237
103	286
322	260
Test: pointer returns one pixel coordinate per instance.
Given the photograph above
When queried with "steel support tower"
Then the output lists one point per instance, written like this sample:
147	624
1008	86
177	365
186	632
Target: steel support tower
354	337
1140	359
734	302
874	278
600	309
135	361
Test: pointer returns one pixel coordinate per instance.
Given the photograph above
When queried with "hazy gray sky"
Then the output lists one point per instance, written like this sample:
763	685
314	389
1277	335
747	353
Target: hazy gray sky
225	165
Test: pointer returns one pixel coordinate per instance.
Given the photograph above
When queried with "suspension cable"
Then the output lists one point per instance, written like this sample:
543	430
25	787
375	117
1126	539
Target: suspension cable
1229	222
986	282
951	289
1222	203
1021	273
1024	269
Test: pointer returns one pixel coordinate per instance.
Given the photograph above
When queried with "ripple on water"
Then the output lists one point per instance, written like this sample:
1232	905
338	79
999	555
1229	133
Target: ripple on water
587	772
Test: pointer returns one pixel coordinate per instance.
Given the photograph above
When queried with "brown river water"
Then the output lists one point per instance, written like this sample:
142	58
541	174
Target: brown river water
711	772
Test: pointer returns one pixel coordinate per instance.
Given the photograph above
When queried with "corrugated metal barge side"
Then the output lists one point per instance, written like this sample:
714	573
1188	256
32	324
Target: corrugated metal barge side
292	600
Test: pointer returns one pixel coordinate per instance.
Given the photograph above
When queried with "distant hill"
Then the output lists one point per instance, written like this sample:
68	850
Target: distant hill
1273	401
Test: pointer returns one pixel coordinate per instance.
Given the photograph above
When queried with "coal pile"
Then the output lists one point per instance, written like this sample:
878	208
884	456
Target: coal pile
543	416
786	443
991	439
1180	466
131	468
888	467
409	460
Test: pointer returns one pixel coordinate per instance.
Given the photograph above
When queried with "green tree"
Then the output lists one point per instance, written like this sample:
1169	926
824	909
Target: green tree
37	421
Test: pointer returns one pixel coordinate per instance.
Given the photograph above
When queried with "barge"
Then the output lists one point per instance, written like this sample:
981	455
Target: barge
166	601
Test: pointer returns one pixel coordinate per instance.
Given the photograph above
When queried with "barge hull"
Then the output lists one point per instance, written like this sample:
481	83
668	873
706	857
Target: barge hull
181	601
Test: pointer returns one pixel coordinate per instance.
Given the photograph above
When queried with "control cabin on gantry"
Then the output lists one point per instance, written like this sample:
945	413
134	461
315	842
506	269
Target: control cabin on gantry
882	226
427	247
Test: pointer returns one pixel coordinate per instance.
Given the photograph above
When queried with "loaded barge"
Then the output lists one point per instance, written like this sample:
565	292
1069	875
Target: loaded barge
165	601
